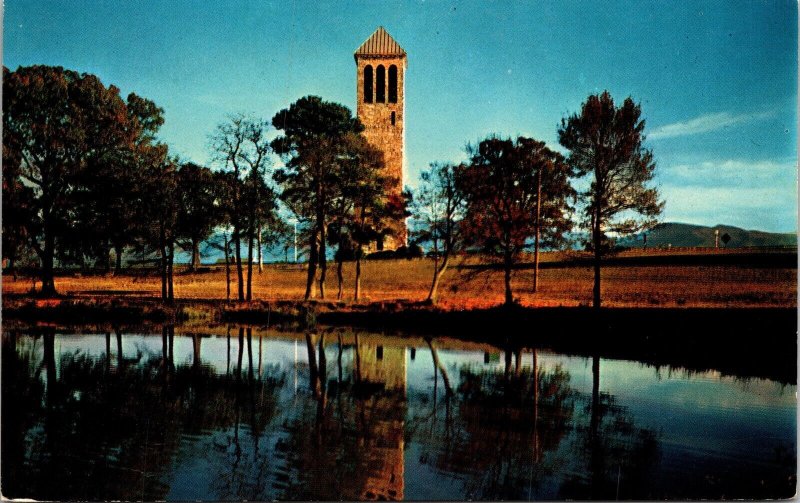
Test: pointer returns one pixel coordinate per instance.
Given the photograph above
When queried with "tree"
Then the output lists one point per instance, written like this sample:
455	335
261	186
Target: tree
605	142
501	190
198	209
312	130
240	145
553	197
69	140
438	209
57	123
109	213
374	213
260	205
161	204
726	239
360	213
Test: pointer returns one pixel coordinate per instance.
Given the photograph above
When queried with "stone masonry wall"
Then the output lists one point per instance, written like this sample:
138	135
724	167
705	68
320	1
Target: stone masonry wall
379	131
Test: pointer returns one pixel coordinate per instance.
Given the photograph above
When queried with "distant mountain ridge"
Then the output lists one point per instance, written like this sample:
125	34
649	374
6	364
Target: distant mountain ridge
662	235
689	235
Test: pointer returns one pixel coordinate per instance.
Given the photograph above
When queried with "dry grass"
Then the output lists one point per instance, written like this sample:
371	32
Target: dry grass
629	286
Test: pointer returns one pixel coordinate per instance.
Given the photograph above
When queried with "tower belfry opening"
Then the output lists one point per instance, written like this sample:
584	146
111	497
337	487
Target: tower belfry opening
380	88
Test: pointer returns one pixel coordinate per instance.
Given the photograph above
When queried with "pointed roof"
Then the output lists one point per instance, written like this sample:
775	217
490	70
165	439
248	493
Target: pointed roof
380	43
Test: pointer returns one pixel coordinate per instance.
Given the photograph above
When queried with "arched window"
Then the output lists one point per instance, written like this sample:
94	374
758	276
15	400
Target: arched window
368	84
393	84
380	92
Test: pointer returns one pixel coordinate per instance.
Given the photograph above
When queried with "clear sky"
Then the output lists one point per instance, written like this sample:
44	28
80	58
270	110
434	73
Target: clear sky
717	81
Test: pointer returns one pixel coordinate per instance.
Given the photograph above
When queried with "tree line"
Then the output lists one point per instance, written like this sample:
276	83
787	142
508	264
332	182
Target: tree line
85	175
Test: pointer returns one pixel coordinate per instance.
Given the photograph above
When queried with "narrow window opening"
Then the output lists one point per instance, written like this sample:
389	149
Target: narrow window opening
380	92
368	84
379	354
392	118
393	84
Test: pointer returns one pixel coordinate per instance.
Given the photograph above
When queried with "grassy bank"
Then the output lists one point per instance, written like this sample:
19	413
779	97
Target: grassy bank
744	342
633	279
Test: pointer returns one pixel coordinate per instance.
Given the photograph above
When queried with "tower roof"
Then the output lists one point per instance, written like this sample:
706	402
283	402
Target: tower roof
380	43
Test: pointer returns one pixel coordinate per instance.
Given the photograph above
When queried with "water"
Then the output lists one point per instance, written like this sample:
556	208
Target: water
234	414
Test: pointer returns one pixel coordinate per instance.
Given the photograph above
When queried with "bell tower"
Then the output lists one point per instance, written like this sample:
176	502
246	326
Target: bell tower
380	92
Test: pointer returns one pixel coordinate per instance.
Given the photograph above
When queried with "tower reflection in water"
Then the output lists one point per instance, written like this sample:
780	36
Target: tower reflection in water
192	416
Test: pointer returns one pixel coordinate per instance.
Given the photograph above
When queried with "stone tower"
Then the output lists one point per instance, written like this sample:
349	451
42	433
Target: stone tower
380	83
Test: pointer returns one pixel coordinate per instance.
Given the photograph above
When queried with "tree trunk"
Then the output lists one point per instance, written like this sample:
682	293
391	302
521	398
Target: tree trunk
118	266
48	282
596	238
433	295
237	241
323	261
170	264
250	265
507	277
358	273
538	231
195	263
162	243
107	264
339	275
227	268
260	257
312	266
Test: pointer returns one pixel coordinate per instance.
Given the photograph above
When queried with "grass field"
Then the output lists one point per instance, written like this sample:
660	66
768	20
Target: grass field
465	286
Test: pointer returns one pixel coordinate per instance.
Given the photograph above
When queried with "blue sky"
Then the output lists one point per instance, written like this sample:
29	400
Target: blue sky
717	81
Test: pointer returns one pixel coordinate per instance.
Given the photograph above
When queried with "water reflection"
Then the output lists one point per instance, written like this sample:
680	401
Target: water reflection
334	414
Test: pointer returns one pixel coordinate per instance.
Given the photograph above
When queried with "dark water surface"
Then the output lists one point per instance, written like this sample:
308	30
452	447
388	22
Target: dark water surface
257	415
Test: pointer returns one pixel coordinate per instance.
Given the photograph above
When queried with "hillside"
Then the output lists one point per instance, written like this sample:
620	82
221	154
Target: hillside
662	235
689	235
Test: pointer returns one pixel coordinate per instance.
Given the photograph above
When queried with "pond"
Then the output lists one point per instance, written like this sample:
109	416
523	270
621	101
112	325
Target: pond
237	413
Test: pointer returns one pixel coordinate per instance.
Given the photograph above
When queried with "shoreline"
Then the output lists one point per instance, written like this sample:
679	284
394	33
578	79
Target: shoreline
755	342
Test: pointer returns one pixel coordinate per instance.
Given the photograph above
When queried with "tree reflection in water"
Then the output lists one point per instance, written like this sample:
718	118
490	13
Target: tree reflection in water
617	457
507	435
502	423
136	425
112	432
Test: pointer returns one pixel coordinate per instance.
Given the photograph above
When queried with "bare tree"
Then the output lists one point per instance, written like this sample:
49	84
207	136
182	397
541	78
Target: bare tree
241	148
438	209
